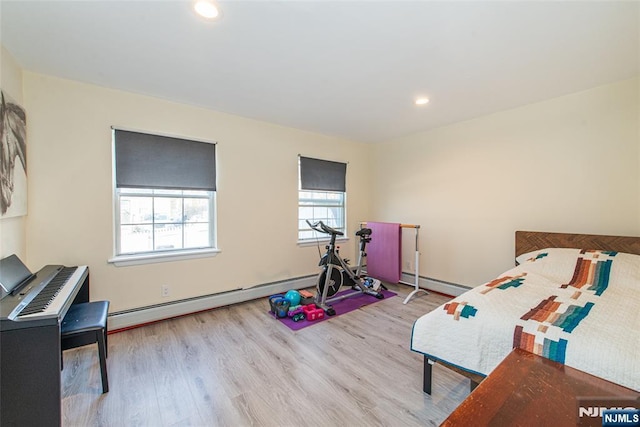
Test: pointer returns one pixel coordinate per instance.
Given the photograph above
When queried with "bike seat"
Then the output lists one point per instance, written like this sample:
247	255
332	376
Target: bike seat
364	232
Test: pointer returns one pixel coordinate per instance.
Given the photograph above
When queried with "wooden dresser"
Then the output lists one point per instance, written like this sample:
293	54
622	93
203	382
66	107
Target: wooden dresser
529	390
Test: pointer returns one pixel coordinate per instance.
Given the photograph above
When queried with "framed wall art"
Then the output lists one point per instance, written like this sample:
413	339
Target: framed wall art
13	158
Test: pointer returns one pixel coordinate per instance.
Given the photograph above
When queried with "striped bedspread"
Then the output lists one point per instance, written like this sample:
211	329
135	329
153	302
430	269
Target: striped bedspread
576	307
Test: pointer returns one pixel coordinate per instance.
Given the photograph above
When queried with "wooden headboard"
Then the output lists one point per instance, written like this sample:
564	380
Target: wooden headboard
527	241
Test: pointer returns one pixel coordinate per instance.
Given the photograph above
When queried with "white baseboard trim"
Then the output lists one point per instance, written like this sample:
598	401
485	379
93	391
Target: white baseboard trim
140	316
435	285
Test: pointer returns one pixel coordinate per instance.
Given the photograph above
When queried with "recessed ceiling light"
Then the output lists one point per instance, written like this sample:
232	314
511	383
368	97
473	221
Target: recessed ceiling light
206	9
422	101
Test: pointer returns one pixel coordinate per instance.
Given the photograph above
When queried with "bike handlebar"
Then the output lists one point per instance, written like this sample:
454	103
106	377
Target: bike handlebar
323	228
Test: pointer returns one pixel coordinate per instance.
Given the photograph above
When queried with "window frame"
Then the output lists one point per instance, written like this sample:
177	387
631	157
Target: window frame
315	235
209	196
161	255
320	236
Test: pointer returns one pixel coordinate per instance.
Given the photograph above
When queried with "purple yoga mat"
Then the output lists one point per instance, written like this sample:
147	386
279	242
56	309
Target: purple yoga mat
341	307
384	253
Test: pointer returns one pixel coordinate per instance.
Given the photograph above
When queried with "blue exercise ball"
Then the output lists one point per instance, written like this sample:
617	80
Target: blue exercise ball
293	297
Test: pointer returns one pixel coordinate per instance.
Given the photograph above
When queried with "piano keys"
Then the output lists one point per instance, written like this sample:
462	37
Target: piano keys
50	297
30	351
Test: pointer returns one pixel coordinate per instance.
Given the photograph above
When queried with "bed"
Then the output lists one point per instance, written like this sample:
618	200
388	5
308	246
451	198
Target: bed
571	298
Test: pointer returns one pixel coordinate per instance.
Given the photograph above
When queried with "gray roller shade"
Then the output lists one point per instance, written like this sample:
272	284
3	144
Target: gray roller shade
153	161
322	175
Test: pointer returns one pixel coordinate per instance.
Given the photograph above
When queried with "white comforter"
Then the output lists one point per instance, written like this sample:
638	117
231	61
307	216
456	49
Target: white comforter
580	308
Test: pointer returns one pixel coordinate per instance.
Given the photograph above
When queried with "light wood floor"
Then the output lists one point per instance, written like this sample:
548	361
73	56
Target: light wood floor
236	366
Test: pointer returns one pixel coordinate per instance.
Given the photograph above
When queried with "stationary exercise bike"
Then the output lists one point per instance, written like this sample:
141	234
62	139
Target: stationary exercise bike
336	271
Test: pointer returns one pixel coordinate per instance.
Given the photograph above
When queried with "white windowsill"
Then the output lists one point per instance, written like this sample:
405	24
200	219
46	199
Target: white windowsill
127	260
314	242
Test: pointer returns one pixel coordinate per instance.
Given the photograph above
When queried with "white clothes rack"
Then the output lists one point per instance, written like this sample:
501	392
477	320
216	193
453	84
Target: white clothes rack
416	284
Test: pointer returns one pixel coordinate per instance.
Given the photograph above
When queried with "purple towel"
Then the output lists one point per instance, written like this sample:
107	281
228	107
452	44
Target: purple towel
384	253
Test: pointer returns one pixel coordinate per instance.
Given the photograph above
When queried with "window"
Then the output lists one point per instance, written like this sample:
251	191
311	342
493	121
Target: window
325	206
321	195
164	194
158	220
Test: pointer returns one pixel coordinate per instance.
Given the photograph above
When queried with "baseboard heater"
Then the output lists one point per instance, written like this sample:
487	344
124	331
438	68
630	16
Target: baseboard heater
431	284
139	316
436	285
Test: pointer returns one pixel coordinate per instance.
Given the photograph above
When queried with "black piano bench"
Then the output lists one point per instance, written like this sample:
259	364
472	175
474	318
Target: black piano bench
86	323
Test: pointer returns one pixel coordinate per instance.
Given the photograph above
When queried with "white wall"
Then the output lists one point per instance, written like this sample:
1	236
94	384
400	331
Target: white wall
70	185
12	230
569	164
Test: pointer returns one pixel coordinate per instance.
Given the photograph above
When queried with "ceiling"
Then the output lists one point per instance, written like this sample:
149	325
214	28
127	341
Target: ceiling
344	68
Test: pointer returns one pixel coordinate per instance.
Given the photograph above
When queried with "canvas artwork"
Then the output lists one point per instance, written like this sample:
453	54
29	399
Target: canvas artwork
13	158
